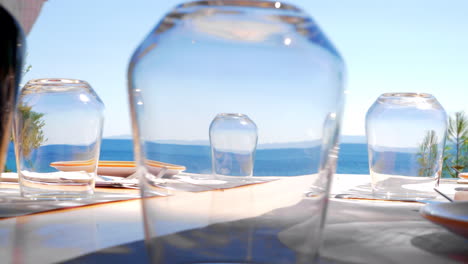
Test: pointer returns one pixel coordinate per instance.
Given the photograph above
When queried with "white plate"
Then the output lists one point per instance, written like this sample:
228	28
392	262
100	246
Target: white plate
116	171
462	181
119	168
69	166
453	216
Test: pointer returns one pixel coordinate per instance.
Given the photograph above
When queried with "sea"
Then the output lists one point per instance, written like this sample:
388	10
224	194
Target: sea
287	161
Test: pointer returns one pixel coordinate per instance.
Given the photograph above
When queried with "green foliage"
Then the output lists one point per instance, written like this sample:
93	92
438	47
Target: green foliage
446	169
457	145
26	69
30	132
428	155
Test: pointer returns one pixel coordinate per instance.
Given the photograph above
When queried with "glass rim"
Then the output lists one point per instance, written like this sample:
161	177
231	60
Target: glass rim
410	95
55	85
409	99
56	82
256	3
231	115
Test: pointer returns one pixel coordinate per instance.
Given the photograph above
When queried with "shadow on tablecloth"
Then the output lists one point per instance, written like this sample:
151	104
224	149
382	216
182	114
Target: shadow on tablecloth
261	239
443	243
356	232
134	252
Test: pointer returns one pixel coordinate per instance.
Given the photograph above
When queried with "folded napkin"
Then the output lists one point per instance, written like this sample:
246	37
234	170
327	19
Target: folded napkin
9	177
100	180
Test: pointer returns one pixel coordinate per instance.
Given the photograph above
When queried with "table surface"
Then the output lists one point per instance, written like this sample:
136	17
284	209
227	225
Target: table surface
356	231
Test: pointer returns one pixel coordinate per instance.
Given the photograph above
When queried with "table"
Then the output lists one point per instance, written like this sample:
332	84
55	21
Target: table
356	232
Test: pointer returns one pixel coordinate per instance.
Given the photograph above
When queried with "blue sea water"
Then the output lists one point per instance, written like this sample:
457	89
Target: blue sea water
353	159
284	161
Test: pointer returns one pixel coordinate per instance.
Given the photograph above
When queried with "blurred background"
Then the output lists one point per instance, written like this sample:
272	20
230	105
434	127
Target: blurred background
417	46
388	46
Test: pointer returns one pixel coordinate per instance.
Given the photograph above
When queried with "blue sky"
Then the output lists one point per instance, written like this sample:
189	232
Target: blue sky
388	46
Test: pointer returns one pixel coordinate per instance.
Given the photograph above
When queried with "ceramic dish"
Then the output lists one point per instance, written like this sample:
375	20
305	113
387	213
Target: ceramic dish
87	166
462	181
453	216
118	168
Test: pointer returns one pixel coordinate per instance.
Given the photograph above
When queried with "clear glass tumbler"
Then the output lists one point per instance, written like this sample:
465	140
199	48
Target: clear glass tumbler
58	129
233	140
268	61
406	139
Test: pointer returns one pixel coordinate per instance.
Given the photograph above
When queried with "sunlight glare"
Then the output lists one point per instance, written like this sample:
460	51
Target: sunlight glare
84	98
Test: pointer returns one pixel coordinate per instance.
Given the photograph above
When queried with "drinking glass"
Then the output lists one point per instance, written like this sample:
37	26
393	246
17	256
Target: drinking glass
406	138
233	140
11	58
265	60
58	129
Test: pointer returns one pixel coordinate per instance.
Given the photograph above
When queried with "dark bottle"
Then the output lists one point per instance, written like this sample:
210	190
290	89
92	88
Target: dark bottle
11	59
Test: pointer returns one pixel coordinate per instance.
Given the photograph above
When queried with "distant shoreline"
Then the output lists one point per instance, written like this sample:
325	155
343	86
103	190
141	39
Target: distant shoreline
350	139
286	161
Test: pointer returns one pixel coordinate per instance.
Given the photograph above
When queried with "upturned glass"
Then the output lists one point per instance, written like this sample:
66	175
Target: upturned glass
58	129
406	139
266	60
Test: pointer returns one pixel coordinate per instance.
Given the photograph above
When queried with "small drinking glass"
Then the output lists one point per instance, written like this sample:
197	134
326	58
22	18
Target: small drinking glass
58	129
406	138
233	140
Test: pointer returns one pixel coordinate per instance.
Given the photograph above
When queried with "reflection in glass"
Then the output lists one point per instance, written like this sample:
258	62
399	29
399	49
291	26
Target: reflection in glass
31	133
428	155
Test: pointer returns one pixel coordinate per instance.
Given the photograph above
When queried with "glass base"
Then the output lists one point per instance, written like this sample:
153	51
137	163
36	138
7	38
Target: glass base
51	188
241	179
57	192
404	196
384	197
403	188
236	226
50	195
